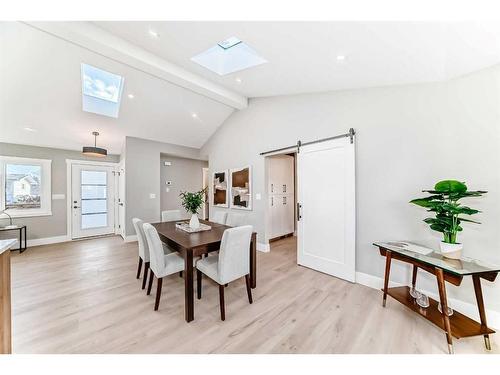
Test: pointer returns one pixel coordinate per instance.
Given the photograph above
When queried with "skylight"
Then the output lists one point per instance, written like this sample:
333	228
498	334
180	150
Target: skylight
101	91
229	56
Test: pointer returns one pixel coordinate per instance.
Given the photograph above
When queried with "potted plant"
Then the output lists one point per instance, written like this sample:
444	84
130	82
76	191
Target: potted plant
443	201
192	203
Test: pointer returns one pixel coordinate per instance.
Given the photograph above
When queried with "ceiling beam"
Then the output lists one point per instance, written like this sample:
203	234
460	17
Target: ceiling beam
93	38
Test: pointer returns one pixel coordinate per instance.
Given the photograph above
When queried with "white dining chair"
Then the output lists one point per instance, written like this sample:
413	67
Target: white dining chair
235	220
219	217
161	264
171	215
232	263
143	250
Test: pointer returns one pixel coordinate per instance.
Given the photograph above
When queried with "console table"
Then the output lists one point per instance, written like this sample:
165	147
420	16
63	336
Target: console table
451	270
21	229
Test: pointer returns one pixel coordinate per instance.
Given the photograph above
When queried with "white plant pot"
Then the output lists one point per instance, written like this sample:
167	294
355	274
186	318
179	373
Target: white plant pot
451	250
194	223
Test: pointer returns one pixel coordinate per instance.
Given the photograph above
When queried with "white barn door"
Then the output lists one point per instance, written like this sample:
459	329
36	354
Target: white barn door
326	212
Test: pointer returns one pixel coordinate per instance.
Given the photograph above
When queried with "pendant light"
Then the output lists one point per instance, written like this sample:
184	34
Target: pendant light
94	150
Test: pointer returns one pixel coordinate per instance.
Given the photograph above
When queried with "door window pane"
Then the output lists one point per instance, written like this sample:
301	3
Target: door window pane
93	191
93	178
94	221
93	206
22	186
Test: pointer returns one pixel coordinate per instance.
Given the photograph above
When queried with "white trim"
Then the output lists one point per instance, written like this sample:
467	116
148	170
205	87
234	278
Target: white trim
263	247
92	162
131	238
469	309
42	241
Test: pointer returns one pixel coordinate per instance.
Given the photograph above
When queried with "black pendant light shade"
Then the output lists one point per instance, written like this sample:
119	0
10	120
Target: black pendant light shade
94	150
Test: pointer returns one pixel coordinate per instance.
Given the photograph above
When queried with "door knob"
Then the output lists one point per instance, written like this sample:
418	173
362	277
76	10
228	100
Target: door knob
76	206
120	204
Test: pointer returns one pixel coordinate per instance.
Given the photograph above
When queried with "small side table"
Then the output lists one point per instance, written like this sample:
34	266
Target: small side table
21	229
450	270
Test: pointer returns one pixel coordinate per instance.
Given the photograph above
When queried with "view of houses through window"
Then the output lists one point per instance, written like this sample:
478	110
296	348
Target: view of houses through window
22	186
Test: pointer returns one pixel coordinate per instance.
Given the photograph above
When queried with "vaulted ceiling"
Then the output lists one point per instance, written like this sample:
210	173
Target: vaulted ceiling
177	101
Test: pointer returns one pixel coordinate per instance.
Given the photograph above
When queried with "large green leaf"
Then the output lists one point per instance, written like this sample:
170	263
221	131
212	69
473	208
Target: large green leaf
450	186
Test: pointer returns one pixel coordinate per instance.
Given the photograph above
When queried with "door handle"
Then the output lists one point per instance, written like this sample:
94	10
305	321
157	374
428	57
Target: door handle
120	204
284	188
299	213
76	206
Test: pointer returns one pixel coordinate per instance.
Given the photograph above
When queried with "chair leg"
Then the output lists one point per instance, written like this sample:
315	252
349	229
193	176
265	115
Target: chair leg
150	284
221	302
145	277
249	290
158	293
198	283
139	266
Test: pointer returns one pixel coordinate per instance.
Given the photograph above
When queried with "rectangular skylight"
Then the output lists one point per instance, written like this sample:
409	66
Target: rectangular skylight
101	91
229	56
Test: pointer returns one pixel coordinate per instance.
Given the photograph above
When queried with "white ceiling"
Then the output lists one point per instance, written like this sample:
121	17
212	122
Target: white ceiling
40	88
40	85
302	55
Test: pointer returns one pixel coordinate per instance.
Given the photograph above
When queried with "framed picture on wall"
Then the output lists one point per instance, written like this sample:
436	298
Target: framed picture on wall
241	188
220	189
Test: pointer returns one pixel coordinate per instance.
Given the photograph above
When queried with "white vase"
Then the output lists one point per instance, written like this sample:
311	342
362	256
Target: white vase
194	223
451	250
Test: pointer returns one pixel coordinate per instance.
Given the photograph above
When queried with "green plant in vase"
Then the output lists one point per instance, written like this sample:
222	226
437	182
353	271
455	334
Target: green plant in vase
192	203
444	202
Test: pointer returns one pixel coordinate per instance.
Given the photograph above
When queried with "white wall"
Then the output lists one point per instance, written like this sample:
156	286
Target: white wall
408	137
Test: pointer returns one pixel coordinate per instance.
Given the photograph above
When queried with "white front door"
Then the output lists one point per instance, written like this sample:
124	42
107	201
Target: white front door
92	200
326	195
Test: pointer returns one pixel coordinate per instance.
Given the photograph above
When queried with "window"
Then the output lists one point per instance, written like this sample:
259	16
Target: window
229	56
25	186
101	91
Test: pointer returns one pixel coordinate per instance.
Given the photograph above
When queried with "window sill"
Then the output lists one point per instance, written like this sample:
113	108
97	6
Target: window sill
16	215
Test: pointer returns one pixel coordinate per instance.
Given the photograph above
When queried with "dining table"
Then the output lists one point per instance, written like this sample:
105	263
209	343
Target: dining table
193	245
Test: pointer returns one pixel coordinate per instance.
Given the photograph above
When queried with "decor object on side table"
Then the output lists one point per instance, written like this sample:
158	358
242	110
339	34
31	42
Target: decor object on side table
444	202
192	202
10	226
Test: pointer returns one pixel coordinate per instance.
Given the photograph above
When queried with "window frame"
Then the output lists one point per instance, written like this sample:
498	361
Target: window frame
45	189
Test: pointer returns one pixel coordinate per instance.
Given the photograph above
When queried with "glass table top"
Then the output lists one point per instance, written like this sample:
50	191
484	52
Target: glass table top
464	266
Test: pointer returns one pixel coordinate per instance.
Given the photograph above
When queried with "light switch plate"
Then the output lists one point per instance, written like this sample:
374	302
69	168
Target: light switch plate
168	163
258	197
152	195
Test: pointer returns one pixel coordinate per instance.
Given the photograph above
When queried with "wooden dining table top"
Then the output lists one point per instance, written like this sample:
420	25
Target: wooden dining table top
188	240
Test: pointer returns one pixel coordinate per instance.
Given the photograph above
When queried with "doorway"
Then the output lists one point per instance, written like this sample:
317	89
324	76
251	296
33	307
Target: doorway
92	200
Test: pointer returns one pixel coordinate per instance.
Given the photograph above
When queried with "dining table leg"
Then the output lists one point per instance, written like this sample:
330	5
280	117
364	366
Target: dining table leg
253	261
188	286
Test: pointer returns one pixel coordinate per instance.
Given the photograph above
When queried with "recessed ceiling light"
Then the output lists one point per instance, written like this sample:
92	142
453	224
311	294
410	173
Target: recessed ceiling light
238	80
30	129
194	115
340	57
131	96
154	34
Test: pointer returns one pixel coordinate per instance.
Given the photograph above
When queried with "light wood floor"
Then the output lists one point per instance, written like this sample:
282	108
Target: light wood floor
82	297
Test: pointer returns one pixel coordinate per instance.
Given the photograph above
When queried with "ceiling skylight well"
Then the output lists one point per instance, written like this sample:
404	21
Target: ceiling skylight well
101	91
229	56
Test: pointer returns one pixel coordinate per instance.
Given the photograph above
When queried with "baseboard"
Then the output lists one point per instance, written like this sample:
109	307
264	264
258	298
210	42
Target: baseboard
469	309
263	247
131	238
43	241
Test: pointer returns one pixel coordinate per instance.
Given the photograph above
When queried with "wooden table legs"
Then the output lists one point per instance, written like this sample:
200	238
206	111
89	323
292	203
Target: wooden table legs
253	261
5	304
388	257
480	304
444	307
188	286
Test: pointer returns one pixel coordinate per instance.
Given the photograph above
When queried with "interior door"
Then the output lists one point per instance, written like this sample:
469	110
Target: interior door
326	207
92	198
